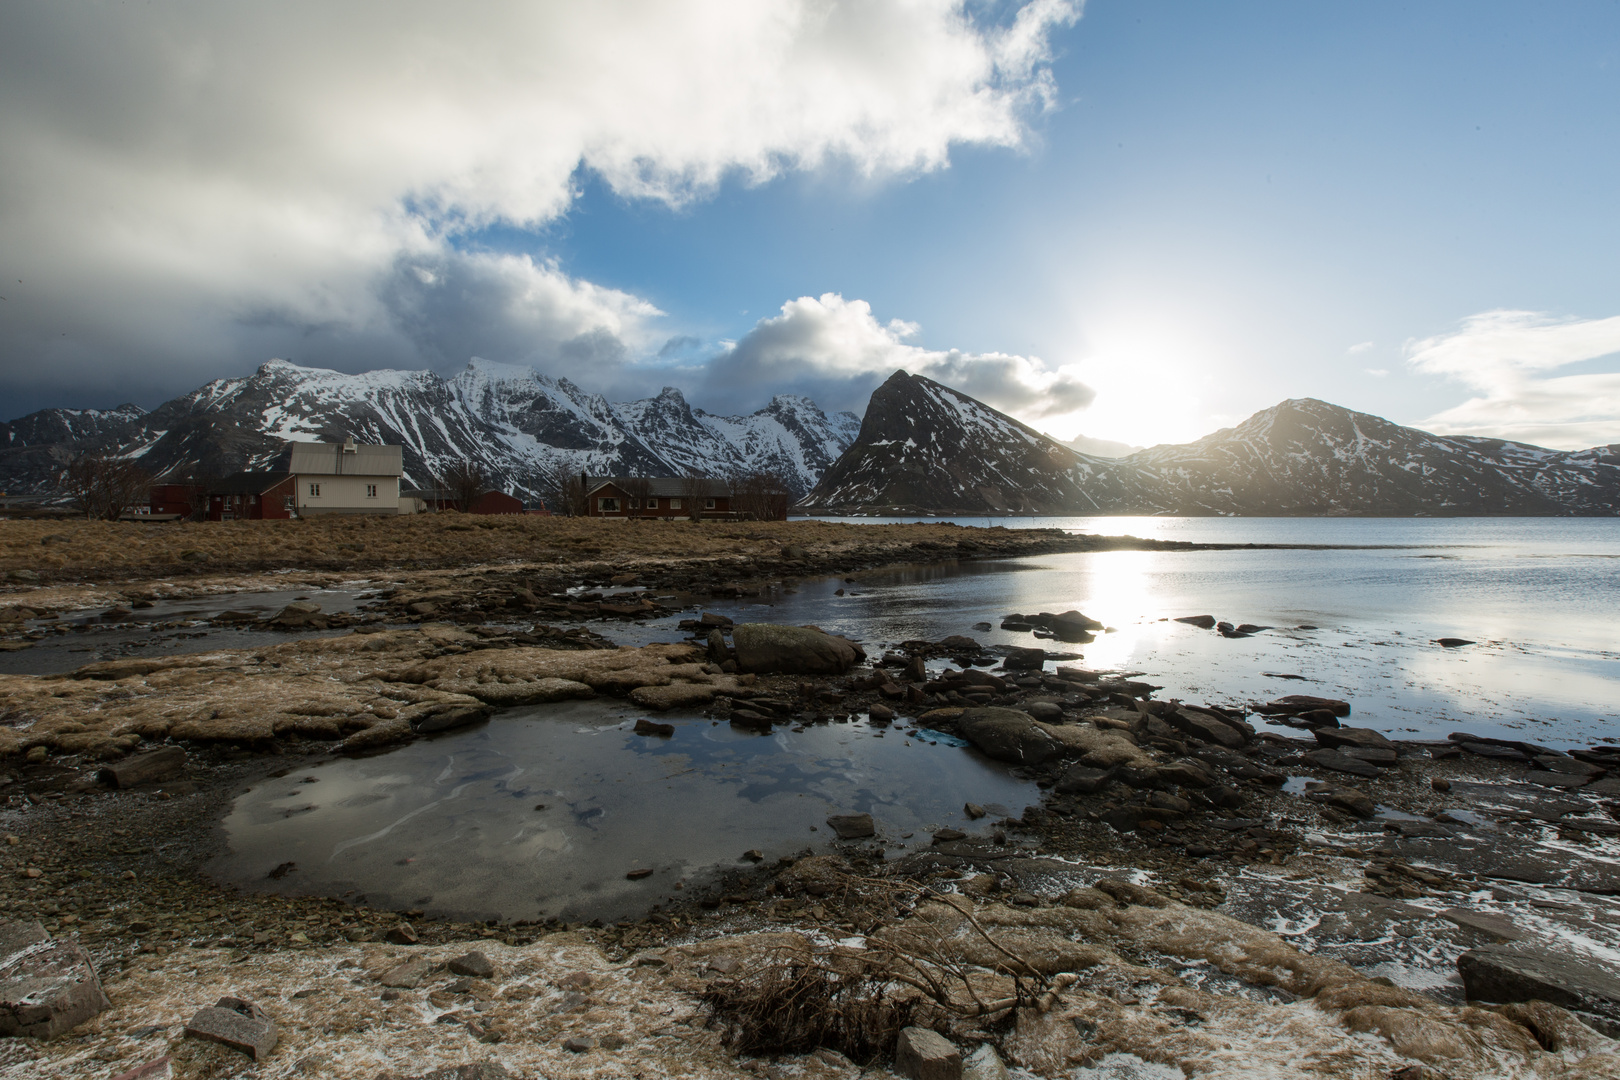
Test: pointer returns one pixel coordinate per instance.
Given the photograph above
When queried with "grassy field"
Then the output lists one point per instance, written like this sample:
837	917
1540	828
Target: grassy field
58	551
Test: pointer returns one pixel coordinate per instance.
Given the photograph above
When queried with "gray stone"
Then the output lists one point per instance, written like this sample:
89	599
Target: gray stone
1049	711
445	717
852	826
1009	735
406	976
578	1044
1501	974
1372	755
1344	763
1366	738
984	1064
144	768
1206	728
921	1054
474	965
47	986
792	650
240	1025
1557	779
1489	923
1082	780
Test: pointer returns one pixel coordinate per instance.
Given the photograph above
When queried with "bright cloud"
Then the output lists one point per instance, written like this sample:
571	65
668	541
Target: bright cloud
184	181
1359	347
1507	358
836	351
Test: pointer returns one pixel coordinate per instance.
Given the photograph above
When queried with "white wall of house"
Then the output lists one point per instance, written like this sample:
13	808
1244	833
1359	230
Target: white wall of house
319	493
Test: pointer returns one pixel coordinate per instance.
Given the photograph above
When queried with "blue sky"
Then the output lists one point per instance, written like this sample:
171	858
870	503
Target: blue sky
1184	212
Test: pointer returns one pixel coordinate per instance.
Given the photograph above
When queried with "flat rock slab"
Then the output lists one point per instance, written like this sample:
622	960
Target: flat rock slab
1485	922
1508	860
406	976
160	764
1366	738
240	1025
1557	779
47	986
1508	973
473	965
852	826
1344	763
482	1070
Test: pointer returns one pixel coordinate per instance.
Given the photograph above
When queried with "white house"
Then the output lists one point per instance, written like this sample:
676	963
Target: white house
345	478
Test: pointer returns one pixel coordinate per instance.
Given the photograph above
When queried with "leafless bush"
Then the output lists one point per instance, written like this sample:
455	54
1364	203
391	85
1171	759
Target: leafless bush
694	488
563	489
638	489
857	1000
105	487
759	495
463	482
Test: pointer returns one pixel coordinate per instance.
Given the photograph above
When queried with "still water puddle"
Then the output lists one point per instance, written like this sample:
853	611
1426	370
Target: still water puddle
544	811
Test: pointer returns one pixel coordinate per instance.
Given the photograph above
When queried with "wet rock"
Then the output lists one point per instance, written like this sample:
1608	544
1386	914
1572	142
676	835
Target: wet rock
921	1054
1207	728
1363	738
579	1044
1082	780
673	696
1203	622
448	717
47	986
144	768
793	650
1563	780
974	811
403	934
645	726
880	714
946	836
1335	761
1009	735
852	826
1383	757
406	976
238	1024
719	652
1301	703
1047	711
474	965
1347	798
1501	974
639	874
1024	659
1452	642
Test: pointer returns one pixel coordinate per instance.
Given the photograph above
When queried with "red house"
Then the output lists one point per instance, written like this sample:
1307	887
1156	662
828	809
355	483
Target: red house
253	496
664	497
430	500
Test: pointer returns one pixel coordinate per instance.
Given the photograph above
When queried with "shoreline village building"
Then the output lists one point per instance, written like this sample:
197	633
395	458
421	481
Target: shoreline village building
310	479
655	497
433	500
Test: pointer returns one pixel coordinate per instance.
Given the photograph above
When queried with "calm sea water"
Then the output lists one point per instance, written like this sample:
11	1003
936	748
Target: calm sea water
1540	596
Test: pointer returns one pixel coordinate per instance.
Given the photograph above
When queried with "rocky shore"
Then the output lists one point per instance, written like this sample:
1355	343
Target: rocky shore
1199	890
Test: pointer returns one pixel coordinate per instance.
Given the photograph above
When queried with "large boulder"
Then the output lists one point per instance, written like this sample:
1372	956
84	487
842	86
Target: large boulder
47	985
1358	737
792	650
1501	974
1009	735
1206	727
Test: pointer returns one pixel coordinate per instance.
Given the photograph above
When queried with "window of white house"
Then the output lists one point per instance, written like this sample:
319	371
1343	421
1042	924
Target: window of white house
708	504
607	506
652	504
371	491
315	491
674	504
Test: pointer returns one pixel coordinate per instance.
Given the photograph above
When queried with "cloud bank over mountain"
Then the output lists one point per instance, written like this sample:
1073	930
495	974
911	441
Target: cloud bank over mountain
1510	360
189	187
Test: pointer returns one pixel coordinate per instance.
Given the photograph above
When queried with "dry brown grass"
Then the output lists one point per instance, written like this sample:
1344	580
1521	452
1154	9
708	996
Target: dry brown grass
428	541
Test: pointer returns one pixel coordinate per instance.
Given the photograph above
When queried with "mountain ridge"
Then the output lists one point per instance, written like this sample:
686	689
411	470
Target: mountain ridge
516	422
1300	457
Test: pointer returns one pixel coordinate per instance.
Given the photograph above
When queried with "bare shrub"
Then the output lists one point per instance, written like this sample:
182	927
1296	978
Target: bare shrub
105	487
463	482
795	1007
638	489
759	495
694	488
563	489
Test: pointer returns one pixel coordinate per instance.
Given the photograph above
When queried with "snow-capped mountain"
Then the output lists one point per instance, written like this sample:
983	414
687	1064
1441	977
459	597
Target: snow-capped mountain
924	446
516	422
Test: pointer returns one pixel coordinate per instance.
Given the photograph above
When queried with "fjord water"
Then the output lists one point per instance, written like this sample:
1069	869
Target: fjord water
1539	596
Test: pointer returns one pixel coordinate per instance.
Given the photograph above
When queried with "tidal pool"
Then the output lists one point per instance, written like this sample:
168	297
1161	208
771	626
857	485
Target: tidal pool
543	811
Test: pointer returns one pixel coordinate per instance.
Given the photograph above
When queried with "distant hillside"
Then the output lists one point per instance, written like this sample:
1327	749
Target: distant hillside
513	420
926	447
